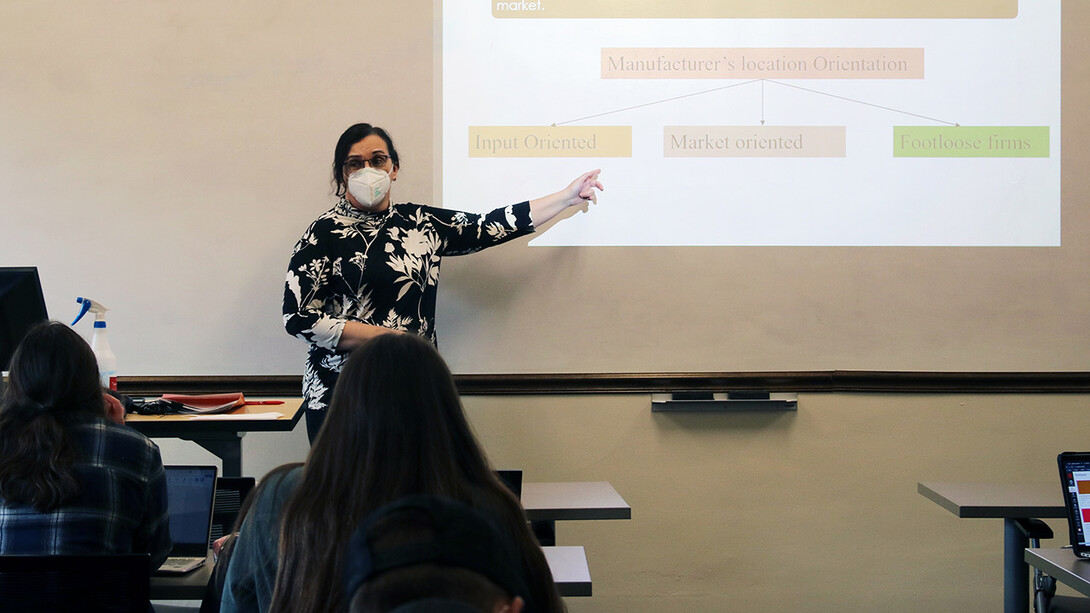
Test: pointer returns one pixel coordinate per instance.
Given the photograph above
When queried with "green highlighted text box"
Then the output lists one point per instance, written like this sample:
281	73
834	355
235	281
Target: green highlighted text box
970	141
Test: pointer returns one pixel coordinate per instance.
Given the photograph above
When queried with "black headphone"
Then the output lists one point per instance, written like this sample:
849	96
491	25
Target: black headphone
157	406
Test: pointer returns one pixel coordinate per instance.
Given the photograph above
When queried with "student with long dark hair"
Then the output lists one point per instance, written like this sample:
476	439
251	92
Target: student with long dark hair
73	478
395	428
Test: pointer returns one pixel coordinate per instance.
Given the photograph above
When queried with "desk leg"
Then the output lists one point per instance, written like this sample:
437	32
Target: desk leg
545	531
1015	569
227	447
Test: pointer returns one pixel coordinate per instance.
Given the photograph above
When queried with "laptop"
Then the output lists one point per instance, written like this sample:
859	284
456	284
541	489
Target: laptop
512	478
1075	477
191	491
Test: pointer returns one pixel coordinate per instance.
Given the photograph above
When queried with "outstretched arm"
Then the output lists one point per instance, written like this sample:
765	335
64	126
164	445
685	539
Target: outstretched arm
580	191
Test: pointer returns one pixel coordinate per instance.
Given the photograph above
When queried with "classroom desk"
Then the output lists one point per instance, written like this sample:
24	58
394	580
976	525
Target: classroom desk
1063	565
570	572
547	503
189	586
1009	502
222	433
568	565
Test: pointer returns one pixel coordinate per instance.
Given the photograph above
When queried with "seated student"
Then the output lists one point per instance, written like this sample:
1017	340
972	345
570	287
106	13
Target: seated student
395	428
73	478
426	553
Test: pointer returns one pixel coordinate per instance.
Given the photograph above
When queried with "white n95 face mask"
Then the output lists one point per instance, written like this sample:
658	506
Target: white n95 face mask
369	186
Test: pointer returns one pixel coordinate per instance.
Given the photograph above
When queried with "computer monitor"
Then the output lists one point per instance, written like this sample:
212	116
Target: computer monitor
22	305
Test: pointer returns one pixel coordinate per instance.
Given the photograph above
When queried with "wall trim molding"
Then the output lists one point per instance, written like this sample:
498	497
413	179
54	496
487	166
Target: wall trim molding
643	383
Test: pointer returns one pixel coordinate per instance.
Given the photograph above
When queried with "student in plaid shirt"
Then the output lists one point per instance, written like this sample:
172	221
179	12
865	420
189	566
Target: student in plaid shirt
73	478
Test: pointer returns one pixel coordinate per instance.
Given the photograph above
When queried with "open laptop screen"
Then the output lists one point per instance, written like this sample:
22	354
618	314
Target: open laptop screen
1075	475
190	492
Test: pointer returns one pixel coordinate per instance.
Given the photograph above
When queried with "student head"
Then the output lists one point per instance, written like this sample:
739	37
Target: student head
427	553
352	137
395	428
53	383
54	368
396	398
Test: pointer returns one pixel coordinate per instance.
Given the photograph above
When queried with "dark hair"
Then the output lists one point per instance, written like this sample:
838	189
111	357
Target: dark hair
350	137
427	582
395	427
53	384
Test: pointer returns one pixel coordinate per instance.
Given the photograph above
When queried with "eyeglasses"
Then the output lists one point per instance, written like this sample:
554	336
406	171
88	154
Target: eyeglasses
355	163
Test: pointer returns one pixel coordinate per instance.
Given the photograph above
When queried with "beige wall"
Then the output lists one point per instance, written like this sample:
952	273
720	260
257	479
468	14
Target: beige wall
809	511
163	158
126	127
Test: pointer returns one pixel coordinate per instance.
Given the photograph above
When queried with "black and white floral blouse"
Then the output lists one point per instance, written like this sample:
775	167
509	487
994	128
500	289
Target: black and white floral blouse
380	269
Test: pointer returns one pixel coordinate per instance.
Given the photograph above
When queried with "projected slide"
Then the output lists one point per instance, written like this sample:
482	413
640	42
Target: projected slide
784	122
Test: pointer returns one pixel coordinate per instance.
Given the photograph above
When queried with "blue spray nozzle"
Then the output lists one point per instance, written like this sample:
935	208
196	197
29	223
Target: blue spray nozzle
83	310
90	305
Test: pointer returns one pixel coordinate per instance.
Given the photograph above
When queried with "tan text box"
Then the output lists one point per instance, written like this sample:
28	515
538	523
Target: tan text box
765	9
549	141
754	141
763	63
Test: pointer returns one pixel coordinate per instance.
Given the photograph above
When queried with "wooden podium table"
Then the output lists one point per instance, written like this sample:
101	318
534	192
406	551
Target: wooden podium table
222	433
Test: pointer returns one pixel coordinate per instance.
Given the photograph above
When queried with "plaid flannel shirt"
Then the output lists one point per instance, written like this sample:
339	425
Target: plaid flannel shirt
121	508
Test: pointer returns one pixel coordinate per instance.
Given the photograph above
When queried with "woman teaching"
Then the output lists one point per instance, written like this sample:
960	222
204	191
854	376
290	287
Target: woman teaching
368	267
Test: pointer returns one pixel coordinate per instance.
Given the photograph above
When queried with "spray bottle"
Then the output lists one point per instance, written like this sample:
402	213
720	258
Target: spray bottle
100	343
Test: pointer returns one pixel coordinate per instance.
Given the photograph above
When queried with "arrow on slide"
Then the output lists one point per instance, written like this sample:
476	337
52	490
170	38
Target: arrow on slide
762	102
877	106
638	106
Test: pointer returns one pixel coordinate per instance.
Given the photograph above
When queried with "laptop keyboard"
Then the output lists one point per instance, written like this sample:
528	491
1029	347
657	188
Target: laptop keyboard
177	564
